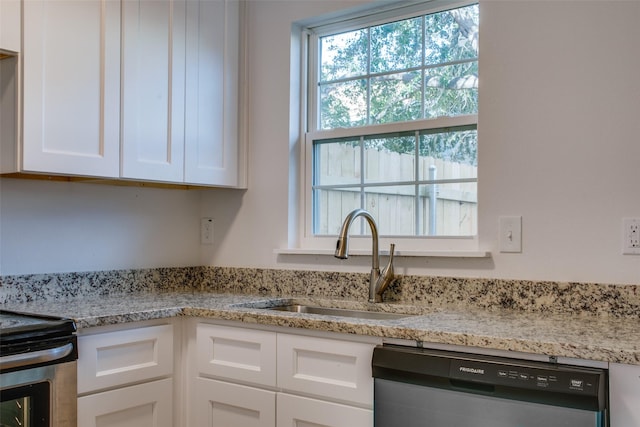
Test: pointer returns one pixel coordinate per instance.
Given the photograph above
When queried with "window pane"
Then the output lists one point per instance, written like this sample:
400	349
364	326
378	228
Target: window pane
396	46
361	85
449	155
397	72
442	209
336	163
343	104
451	90
396	98
451	35
332	207
390	159
449	209
343	55
394	209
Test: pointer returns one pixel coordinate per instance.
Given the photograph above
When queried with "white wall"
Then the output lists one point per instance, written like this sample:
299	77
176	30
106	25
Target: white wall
559	144
48	227
559	135
562	149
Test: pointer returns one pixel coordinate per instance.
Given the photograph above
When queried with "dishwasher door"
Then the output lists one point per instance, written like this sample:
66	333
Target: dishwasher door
428	388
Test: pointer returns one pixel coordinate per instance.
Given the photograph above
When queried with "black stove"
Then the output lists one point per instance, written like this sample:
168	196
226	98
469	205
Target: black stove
26	333
38	370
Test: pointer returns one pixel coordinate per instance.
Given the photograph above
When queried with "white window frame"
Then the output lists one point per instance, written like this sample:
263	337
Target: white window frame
405	245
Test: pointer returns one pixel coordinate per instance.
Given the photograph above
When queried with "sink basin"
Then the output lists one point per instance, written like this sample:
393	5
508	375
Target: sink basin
342	312
337	308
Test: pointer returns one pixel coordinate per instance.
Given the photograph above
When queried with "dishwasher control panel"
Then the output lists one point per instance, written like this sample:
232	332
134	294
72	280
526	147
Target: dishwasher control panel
553	378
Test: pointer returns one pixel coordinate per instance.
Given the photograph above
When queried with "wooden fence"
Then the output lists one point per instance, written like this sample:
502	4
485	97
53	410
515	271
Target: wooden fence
399	210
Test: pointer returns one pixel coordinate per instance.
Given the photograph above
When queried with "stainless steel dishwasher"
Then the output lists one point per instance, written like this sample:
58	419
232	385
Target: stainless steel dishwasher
415	387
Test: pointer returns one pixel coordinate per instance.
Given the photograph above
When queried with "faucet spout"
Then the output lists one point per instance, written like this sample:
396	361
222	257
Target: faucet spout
377	282
342	245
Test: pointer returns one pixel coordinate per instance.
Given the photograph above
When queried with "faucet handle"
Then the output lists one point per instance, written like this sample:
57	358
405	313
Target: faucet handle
392	248
386	277
388	273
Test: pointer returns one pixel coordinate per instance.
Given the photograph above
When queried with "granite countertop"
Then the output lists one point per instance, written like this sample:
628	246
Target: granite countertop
611	339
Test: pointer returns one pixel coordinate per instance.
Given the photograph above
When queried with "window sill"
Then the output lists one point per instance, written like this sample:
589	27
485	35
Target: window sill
397	253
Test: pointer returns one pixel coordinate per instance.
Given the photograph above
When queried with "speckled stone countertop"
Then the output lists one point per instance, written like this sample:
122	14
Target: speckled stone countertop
517	319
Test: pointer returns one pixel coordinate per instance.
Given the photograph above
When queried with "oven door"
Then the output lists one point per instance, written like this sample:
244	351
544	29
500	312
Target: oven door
39	387
39	397
25	399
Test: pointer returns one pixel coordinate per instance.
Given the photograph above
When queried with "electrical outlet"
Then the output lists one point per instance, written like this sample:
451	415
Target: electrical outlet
631	236
206	231
510	234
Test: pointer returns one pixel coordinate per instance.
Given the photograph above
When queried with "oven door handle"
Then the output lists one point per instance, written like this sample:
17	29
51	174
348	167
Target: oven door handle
35	357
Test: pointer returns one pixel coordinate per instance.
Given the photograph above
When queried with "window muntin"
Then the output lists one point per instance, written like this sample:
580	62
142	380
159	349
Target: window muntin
372	84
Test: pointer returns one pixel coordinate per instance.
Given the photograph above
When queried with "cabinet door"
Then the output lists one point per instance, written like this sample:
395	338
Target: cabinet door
326	368
71	120
211	123
296	411
153	58
220	404
9	73
10	25
148	405
624	395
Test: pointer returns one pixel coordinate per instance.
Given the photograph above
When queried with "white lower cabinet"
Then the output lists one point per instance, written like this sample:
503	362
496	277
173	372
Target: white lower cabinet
148	404
125	376
241	377
223	404
242	355
336	369
297	411
244	377
624	395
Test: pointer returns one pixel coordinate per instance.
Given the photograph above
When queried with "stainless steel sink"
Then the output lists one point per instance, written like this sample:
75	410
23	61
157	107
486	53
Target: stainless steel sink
342	312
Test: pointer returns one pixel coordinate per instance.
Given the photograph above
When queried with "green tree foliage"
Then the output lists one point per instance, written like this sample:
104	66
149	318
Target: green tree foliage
423	67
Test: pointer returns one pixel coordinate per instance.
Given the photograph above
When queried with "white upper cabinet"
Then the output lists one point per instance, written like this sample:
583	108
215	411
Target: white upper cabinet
9	71
71	87
153	58
136	89
211	126
10	26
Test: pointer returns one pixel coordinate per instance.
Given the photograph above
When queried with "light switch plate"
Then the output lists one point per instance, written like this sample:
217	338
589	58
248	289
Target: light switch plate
510	234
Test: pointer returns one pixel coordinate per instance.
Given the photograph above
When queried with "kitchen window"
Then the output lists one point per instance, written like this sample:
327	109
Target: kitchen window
392	117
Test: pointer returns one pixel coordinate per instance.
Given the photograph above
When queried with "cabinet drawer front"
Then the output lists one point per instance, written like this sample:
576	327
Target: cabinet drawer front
147	404
296	411
223	404
238	354
326	368
124	357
